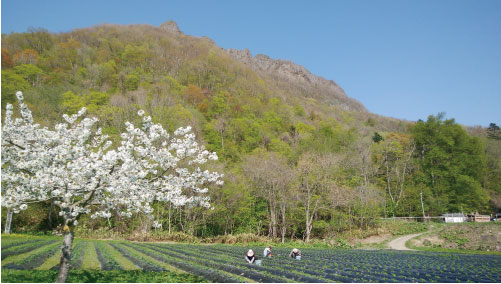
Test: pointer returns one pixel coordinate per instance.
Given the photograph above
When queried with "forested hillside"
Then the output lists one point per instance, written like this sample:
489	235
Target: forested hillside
301	159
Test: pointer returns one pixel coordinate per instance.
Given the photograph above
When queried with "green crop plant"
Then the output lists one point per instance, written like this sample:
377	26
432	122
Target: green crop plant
50	262
20	257
124	263
222	263
90	260
455	237
136	252
53	260
36	259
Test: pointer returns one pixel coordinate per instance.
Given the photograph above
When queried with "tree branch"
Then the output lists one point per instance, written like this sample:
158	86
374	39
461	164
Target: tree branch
14	144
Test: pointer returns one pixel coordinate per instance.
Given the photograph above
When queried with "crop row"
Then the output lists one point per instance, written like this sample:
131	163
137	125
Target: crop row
291	273
234	271
388	266
221	263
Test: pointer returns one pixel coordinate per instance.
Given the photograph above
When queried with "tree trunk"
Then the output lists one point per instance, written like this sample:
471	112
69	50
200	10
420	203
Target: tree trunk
273	216
284	223
50	213
388	182
422	206
64	264
222	141
308	223
308	231
170	214
8	220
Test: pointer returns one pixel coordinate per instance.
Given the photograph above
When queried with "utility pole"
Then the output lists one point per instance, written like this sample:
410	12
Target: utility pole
422	205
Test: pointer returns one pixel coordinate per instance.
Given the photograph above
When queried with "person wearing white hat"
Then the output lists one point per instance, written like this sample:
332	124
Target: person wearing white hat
250	257
295	252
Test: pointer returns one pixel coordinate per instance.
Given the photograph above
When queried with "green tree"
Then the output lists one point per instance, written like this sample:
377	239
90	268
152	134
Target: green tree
452	165
377	137
131	82
30	73
219	104
93	101
11	83
494	132
393	158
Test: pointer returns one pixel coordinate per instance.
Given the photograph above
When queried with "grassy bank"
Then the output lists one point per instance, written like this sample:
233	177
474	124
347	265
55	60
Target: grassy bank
460	237
384	231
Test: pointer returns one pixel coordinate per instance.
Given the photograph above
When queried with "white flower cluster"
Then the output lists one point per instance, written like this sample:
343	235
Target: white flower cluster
75	166
156	225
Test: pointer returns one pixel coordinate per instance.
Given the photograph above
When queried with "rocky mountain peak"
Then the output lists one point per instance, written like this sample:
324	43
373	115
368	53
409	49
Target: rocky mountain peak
171	26
242	55
297	75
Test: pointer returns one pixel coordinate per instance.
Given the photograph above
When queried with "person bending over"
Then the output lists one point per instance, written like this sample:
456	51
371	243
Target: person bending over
267	252
295	252
250	257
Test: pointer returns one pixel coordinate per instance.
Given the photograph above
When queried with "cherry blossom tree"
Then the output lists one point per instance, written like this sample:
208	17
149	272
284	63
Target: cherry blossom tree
76	167
15	172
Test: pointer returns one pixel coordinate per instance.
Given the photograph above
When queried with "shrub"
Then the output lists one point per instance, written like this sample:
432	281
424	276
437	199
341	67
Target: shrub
238	239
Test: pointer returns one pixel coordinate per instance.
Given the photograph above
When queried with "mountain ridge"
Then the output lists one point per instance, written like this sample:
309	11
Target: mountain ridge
326	89
294	73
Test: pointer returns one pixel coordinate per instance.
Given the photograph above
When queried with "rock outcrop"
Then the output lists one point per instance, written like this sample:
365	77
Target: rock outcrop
297	74
171	26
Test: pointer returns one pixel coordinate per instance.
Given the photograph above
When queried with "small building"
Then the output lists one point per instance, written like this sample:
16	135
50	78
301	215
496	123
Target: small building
453	217
478	218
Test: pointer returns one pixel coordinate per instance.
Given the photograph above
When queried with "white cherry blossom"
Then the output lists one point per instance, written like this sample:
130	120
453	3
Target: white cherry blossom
77	167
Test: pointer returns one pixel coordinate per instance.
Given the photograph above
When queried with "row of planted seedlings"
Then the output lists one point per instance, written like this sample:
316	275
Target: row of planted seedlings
305	270
112	259
438	266
387	266
359	266
87	255
280	263
425	267
23	247
45	254
316	265
236	265
343	265
309	265
30	255
204	267
237	258
10	242
177	262
234	260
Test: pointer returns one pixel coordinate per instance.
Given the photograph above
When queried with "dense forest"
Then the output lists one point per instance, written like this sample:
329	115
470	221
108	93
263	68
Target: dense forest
298	162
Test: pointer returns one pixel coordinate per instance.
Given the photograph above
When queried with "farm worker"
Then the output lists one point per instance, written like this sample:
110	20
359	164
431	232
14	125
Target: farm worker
267	252
295	252
250	257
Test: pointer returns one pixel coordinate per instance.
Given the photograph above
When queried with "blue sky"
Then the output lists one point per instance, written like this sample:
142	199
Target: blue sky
400	58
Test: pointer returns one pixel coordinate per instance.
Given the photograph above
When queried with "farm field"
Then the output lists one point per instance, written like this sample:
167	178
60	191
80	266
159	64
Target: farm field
160	262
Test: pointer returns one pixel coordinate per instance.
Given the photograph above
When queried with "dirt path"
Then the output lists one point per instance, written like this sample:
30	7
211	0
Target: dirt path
399	243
